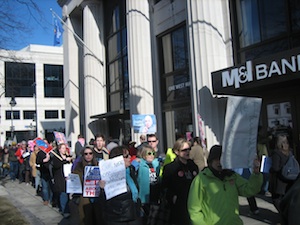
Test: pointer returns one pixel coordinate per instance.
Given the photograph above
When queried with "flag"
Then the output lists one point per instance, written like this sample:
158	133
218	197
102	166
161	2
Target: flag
58	31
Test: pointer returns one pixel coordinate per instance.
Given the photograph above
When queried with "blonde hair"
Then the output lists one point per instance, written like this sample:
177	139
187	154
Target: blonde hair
145	149
179	144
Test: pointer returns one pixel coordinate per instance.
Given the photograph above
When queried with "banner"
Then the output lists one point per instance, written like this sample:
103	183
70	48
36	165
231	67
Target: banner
113	172
240	132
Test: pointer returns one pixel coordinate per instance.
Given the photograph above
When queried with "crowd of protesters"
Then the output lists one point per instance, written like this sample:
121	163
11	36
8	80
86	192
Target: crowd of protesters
189	186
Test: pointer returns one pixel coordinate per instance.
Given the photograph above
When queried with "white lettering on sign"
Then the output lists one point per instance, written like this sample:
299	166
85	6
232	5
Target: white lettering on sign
179	86
237	76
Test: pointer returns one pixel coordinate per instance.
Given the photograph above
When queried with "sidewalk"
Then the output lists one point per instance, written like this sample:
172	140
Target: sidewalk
32	208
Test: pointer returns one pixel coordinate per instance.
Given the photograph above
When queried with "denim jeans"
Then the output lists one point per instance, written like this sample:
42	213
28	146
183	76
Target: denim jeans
63	198
46	190
13	167
37	180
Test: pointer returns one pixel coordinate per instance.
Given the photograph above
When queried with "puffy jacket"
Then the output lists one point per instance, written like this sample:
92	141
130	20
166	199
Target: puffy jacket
215	201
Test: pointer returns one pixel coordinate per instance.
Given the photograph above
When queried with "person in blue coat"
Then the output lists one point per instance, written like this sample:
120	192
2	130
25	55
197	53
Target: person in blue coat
148	178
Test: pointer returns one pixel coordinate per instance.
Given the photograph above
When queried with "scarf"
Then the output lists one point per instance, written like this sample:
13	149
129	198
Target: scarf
132	186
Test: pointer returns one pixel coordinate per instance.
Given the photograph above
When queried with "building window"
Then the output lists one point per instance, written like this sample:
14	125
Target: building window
175	76
117	76
63	114
19	79
29	115
264	27
16	115
51	114
53	81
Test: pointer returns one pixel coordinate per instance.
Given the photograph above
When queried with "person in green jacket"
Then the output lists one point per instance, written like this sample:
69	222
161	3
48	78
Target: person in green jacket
213	195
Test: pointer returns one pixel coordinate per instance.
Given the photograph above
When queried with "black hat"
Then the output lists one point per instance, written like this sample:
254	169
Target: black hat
214	153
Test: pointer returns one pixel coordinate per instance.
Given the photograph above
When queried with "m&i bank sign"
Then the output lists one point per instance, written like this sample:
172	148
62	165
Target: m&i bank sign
257	73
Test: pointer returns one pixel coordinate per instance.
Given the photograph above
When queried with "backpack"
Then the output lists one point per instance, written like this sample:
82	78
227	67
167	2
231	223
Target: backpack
290	170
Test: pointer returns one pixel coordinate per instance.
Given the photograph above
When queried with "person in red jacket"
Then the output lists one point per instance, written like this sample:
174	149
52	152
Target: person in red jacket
23	157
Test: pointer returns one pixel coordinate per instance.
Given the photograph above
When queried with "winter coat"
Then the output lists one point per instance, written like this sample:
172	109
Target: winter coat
278	185
58	173
176	180
215	201
144	179
122	208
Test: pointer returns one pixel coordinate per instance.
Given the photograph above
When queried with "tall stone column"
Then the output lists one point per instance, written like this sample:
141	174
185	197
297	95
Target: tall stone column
71	81
139	58
210	50
94	69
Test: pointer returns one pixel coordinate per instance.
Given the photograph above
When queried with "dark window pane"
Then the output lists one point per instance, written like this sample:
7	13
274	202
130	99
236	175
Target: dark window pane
29	115
19	79
62	114
180	58
295	14
51	114
53	81
16	115
273	18
177	87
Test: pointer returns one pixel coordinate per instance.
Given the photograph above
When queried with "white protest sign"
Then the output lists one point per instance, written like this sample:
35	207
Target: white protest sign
67	169
240	132
74	184
113	172
91	186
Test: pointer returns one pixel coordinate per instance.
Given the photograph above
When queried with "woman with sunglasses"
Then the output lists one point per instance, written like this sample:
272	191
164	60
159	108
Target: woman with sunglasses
148	178
89	212
124	208
176	181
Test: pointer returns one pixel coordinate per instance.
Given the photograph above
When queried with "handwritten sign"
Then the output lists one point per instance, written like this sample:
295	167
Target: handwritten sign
114	174
91	186
74	184
240	132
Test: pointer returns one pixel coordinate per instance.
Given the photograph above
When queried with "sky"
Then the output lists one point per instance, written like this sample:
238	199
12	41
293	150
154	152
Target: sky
39	26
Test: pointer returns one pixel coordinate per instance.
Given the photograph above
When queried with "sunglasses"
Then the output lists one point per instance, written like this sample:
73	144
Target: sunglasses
150	153
126	156
185	149
152	141
88	153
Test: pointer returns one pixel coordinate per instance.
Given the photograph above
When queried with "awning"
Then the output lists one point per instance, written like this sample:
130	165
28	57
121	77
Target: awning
121	114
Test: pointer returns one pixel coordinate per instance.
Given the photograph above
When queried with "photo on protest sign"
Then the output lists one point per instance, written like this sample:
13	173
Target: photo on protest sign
144	123
91	186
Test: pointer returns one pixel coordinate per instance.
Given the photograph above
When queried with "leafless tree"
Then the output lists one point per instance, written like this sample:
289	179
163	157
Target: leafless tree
15	21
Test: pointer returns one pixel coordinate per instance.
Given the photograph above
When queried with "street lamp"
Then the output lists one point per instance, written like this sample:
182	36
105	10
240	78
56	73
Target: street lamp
12	104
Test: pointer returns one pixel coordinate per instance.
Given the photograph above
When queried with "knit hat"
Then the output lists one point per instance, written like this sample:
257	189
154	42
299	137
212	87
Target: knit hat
214	153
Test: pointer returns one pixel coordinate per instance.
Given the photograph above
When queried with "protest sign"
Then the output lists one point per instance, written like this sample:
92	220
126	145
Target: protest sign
74	184
91	186
240	132
61	139
113	172
42	145
145	124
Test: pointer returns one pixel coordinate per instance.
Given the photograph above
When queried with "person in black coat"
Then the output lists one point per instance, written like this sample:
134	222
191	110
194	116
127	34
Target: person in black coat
58	161
124	208
278	184
176	181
